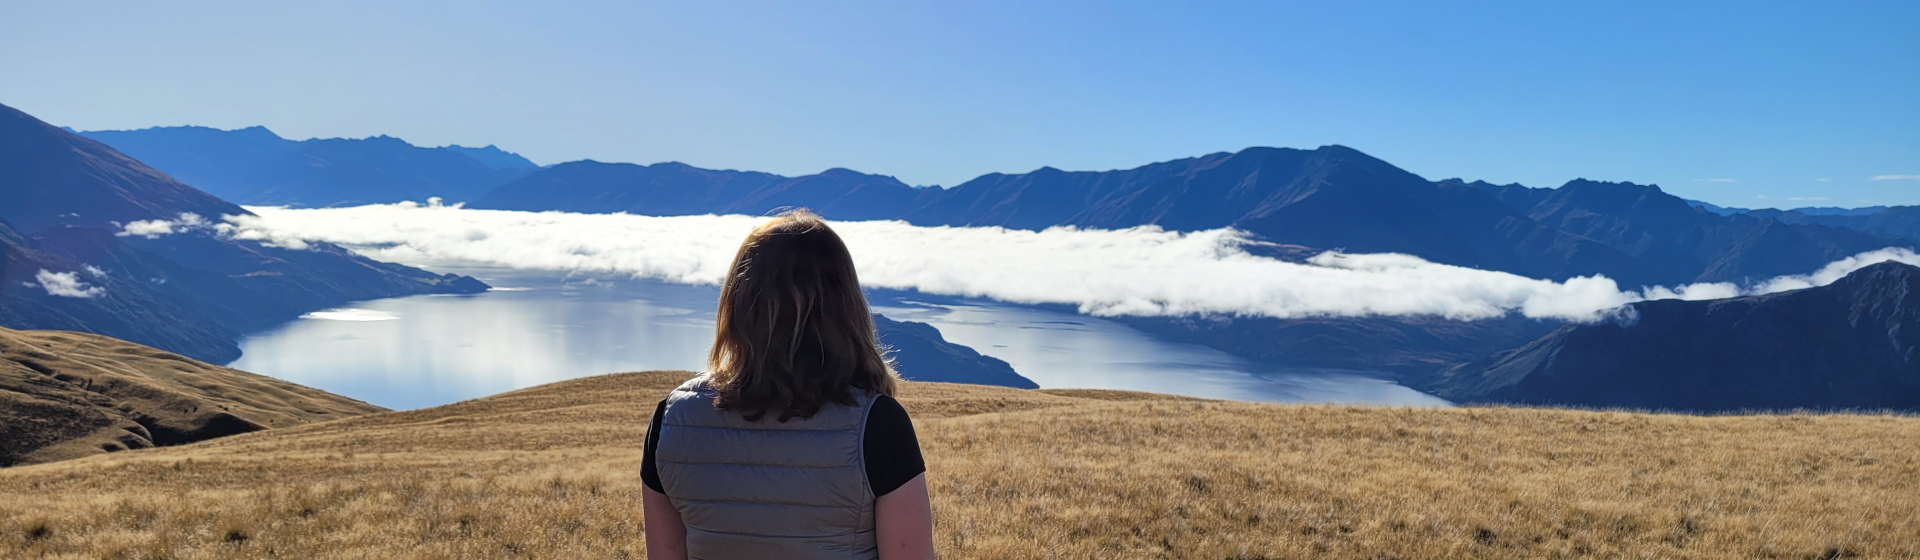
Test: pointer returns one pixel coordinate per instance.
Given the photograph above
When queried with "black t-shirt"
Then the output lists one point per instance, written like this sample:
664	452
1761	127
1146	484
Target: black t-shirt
891	450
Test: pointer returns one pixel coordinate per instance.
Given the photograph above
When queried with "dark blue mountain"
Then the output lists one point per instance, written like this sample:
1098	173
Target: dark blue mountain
255	166
51	177
65	265
1854	343
921	354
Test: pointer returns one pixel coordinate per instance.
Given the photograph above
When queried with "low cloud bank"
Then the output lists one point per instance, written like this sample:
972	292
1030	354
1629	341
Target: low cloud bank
351	314
1137	271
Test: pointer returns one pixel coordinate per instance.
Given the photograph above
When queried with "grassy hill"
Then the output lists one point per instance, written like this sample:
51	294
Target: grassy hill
66	394
552	472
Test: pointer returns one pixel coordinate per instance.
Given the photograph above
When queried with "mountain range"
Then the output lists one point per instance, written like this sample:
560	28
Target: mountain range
1295	201
1328	198
67	261
1332	197
257	167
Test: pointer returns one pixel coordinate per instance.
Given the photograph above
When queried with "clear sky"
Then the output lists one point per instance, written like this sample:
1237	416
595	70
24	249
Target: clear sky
1738	103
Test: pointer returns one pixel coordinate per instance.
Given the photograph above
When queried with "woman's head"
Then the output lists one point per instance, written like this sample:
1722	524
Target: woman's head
793	332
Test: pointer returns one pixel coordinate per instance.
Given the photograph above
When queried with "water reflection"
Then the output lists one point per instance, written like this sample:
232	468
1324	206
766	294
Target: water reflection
442	349
543	327
1057	349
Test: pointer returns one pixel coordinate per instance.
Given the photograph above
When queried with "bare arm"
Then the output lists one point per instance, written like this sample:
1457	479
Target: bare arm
903	519
666	534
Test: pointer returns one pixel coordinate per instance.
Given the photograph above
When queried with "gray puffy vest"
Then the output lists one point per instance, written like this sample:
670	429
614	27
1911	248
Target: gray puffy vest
768	489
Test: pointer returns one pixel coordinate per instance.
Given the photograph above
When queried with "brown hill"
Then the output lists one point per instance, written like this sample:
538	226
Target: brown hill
552	472
65	395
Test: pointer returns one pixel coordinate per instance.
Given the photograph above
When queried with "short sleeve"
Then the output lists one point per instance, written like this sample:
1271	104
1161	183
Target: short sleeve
892	451
650	474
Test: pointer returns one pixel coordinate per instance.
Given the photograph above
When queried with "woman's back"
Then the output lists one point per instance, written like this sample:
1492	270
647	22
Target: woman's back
767	489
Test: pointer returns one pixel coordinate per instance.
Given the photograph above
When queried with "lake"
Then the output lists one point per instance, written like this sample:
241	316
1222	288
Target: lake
539	327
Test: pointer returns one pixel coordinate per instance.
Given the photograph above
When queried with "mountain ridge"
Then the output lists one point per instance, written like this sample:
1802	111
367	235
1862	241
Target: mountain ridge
255	166
1331	197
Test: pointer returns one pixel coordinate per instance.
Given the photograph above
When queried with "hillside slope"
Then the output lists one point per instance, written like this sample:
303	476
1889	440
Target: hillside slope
69	262
65	395
51	177
1854	343
551	472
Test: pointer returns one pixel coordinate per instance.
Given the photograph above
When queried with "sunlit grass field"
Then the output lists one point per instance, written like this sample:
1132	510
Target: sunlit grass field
552	472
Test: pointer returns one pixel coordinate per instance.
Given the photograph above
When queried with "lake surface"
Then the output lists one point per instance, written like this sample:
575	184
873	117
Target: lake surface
540	327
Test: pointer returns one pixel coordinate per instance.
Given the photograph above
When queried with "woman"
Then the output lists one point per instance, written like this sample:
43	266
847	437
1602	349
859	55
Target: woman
791	446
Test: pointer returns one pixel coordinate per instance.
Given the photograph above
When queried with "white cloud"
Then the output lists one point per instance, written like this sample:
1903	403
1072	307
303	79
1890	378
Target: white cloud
1896	177
66	284
1137	271
1719	180
1824	180
155	228
1835	270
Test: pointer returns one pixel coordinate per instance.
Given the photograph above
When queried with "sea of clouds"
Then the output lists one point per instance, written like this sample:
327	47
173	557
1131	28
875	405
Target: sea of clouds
1136	271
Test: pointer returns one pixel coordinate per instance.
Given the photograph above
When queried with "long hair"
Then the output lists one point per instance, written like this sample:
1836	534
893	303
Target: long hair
793	332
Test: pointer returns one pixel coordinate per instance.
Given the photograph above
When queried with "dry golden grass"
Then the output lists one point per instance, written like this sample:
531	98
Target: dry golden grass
66	394
551	472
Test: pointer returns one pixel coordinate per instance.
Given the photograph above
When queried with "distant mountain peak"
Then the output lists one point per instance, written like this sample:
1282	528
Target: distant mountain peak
1613	197
1339	149
844	172
495	157
1628	186
382	139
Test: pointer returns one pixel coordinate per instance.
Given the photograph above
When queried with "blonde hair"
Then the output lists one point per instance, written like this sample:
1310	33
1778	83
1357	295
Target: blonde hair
793	332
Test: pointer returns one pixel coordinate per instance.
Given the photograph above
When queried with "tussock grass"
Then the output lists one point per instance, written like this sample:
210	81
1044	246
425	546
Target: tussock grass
551	472
65	395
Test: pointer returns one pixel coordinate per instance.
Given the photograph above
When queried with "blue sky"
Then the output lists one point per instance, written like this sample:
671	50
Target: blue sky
1738	103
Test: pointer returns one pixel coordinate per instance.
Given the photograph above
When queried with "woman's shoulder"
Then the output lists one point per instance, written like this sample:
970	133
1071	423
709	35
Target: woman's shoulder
702	383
